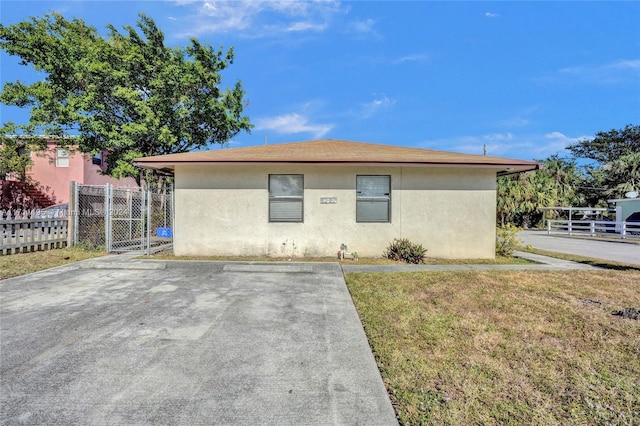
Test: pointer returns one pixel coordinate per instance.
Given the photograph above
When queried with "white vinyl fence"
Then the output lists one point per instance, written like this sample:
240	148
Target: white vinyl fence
24	231
594	228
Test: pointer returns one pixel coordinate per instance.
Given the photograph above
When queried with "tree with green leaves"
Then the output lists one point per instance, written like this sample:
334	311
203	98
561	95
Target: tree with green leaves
521	196
616	170
15	152
568	177
13	159
126	93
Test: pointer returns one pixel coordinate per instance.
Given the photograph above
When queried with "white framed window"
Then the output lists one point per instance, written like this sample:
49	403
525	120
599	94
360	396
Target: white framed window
62	157
286	198
373	198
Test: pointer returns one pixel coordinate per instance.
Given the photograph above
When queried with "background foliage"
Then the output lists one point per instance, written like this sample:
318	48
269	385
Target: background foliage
126	93
602	168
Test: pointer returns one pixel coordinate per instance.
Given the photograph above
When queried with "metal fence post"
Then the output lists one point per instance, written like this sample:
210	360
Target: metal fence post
172	212
148	233
76	218
72	222
107	217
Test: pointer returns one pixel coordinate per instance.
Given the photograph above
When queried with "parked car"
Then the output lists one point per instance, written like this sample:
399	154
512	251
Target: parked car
633	223
634	217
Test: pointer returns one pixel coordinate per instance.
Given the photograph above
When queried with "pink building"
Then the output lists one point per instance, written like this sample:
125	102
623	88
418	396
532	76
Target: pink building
54	168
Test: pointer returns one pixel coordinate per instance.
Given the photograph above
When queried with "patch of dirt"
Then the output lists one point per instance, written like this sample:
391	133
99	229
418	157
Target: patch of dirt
631	313
588	302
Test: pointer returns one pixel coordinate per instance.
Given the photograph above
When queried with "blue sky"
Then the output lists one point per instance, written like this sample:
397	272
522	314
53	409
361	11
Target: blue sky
524	78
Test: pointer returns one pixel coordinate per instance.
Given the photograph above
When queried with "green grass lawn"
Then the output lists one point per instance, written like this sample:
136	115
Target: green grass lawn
505	347
26	263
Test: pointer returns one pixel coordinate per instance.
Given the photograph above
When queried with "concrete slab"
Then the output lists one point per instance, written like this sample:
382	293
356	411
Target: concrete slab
546	262
543	263
190	344
269	268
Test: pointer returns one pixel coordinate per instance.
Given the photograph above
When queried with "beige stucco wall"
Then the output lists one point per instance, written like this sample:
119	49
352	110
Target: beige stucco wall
223	210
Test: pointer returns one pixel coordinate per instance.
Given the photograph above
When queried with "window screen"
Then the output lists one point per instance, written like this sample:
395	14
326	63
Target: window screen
286	198
373	198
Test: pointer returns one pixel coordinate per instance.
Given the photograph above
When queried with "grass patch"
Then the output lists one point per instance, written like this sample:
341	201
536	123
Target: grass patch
26	263
601	263
504	347
499	260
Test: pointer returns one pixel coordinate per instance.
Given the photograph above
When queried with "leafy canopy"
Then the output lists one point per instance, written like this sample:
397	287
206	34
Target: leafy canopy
614	170
126	93
520	196
617	153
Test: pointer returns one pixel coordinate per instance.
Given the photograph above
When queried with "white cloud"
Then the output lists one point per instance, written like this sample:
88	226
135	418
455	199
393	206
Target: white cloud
252	17
631	64
609	73
291	124
492	15
507	144
368	109
415	57
557	141
306	26
363	27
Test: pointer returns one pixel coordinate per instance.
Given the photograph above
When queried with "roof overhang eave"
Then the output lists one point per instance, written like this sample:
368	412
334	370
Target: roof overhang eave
515	169
502	169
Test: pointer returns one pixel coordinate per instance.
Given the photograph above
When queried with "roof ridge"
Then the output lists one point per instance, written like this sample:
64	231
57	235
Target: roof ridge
335	151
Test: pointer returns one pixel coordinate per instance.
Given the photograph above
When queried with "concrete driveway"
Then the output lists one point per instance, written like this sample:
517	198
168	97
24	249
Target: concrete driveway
625	252
194	343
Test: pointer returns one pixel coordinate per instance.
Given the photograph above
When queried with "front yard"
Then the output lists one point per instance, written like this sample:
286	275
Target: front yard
487	347
505	347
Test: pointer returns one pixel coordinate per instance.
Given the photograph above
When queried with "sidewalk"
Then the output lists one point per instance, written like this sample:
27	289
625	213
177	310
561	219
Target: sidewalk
133	261
544	263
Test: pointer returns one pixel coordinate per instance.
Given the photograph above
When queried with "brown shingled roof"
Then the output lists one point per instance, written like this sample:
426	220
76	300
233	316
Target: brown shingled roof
330	151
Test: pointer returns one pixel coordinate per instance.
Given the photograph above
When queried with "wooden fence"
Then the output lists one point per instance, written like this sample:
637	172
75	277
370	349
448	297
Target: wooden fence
32	230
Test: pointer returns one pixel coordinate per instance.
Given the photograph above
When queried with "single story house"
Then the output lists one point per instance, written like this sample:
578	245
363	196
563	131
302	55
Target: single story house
308	199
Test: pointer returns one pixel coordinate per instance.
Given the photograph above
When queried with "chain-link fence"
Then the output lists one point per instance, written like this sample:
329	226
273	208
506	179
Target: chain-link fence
126	220
122	219
89	216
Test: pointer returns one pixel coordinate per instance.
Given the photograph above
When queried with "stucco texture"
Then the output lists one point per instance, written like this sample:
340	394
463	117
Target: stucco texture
54	181
224	210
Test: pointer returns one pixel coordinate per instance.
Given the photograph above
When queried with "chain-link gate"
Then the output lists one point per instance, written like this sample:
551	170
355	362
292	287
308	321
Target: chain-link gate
126	220
123	219
89	212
